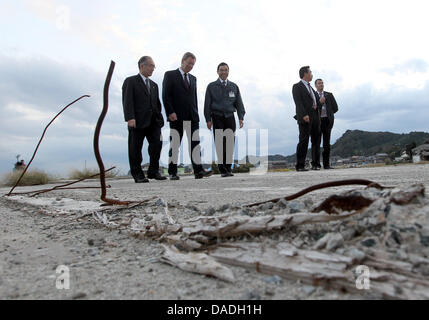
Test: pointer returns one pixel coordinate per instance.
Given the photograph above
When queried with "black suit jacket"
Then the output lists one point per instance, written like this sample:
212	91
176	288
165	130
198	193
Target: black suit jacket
304	103
331	106
138	104
177	99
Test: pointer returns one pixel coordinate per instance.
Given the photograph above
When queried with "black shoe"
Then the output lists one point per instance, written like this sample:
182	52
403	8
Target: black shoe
174	177
141	180
229	171
328	168
224	175
156	176
207	173
315	168
203	174
301	169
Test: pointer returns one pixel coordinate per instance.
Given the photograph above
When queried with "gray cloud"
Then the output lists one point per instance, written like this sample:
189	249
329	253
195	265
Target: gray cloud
397	109
46	86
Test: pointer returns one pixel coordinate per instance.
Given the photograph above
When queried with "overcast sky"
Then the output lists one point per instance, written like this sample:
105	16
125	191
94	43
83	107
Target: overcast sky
373	56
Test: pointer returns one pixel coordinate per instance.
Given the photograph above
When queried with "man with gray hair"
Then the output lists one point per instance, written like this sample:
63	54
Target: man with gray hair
179	94
142	111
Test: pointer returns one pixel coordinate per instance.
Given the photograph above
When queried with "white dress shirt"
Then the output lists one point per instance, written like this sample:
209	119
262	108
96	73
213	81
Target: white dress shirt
144	78
221	81
323	114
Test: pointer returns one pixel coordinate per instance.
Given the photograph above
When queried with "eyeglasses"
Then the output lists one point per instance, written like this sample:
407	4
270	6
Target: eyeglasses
150	65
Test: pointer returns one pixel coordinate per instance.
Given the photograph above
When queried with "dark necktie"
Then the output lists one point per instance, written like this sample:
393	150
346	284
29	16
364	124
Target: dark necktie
147	85
186	81
312	96
224	83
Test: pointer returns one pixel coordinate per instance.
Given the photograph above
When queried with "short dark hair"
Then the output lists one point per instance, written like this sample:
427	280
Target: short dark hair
189	55
315	82
303	71
221	65
143	60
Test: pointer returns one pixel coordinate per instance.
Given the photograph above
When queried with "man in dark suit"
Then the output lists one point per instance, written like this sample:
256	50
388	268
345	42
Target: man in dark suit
179	94
142	111
327	120
307	103
223	98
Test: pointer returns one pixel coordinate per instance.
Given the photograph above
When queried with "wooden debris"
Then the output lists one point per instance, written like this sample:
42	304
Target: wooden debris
327	269
198	263
233	226
169	217
102	218
390	277
183	243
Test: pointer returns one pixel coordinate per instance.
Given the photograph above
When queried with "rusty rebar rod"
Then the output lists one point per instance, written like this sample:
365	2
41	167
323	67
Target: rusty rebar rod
322	186
48	190
97	138
61	187
41	138
69	188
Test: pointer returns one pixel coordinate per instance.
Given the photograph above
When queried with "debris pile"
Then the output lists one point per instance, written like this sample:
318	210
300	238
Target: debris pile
386	230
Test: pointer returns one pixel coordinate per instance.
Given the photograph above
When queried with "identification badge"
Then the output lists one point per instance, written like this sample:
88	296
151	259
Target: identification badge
231	94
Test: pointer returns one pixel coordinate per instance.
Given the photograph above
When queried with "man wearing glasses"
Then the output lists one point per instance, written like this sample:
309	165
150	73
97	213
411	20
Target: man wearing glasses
142	111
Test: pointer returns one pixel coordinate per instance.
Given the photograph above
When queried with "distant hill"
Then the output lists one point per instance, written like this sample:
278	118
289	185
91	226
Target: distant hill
277	157
365	143
255	159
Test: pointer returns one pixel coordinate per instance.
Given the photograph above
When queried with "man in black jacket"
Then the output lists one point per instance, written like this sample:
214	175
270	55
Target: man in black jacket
327	120
307	103
179	94
223	98
142	111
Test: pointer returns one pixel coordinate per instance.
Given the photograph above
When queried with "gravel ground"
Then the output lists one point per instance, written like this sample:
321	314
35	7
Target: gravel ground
39	234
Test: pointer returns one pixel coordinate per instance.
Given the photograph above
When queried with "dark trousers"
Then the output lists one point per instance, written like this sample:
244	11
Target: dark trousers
176	135
224	141
326	128
306	131
315	143
135	144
